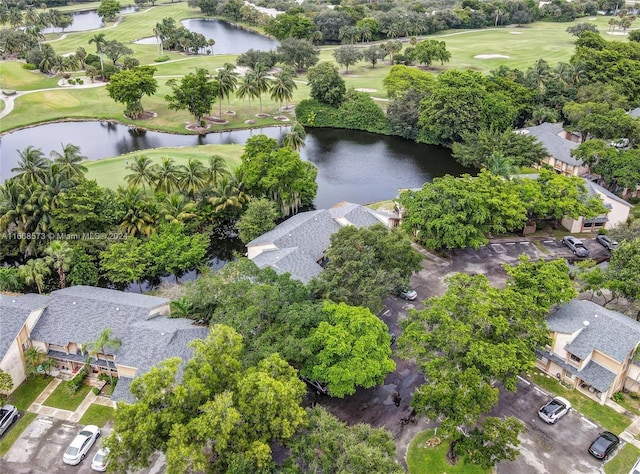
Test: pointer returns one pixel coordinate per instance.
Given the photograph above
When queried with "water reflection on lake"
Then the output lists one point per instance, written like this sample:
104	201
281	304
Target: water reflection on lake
230	39
87	20
352	166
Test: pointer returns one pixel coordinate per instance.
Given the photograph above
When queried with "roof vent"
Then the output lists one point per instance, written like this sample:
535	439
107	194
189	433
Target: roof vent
73	302
162	334
117	309
595	315
585	323
13	301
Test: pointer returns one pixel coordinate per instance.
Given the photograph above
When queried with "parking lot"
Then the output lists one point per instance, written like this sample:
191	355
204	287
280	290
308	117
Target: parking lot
558	448
40	447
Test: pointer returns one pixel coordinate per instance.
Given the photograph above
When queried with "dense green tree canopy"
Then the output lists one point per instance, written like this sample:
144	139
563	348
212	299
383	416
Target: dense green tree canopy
461	212
277	174
347	55
327	444
288	25
195	93
475	149
473	336
460	103
217	416
402	78
260	217
129	85
366	264
350	349
326	84
429	51
298	53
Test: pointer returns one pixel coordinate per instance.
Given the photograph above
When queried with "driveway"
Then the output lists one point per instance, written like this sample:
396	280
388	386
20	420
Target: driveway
559	448
40	447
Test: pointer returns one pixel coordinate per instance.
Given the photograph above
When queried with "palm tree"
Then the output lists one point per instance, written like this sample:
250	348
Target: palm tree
217	169
137	217
60	253
142	172
104	341
501	165
34	272
262	81
228	195
49	59
100	42
296	136
282	87
15	17
69	160
539	73
32	164
248	88
176	209
166	175
81	55
227	79
193	177
33	358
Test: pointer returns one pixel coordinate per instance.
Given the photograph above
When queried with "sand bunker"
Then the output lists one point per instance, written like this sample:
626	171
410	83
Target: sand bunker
491	56
516	32
360	89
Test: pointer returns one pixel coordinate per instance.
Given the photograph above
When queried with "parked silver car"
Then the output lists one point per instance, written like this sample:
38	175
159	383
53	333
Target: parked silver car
575	245
81	445
8	414
607	242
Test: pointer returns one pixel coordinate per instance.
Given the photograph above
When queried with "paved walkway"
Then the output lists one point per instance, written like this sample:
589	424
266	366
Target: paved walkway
67	415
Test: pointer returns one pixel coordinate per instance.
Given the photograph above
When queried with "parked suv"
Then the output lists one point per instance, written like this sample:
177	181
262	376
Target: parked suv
554	410
8	414
607	242
575	245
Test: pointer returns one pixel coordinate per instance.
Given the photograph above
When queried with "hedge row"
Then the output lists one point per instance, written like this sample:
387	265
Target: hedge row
357	112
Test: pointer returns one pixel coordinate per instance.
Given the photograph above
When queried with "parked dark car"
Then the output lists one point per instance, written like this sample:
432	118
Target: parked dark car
607	242
575	245
8	415
604	445
554	410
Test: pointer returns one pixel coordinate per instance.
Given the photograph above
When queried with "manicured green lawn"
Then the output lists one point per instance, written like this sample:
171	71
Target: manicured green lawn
28	391
623	461
632	404
523	46
60	398
601	414
111	172
423	460
97	415
14	433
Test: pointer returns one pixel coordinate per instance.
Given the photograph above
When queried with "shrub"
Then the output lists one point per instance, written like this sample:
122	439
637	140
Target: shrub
71	81
8	92
109	70
92	60
161	59
103	377
96	391
29	66
618	397
358	112
79	81
77	381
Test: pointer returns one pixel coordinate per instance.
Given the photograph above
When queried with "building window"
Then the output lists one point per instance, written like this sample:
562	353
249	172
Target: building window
575	358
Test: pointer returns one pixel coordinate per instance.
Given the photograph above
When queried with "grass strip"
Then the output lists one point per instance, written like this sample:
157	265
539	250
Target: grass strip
607	417
622	463
422	459
15	431
28	391
61	398
98	415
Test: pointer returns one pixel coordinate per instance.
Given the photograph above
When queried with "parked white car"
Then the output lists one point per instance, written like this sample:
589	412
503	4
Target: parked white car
81	445
554	410
100	462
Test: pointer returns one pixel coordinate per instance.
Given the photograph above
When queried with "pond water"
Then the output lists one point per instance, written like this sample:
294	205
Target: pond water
87	20
352	166
229	38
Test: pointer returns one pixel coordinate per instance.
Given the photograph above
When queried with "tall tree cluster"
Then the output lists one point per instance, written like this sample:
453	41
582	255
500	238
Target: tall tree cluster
474	336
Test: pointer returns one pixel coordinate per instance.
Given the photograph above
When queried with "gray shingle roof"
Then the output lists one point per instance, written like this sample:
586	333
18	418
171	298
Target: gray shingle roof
80	313
609	332
593	374
302	239
14	311
635	113
557	146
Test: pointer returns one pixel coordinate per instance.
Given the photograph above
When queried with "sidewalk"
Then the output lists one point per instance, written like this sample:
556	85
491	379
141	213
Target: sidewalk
66	415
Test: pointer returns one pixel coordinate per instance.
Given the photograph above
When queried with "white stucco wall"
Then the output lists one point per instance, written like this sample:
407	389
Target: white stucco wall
619	212
12	364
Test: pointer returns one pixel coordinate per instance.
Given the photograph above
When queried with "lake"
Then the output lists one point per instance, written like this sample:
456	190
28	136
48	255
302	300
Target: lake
352	166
